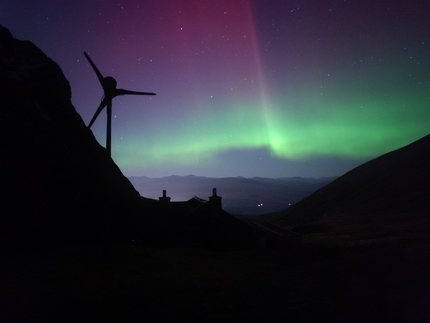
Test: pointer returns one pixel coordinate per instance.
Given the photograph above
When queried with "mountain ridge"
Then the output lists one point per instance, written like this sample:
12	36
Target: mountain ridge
241	195
388	196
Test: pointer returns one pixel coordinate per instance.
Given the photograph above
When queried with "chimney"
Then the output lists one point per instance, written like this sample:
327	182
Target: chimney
215	200
164	199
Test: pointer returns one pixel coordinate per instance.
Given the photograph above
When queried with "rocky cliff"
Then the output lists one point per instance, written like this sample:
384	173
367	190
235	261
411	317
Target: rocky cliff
58	184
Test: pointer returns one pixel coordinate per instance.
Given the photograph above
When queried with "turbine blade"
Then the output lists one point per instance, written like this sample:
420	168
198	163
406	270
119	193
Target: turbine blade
99	75
124	92
99	109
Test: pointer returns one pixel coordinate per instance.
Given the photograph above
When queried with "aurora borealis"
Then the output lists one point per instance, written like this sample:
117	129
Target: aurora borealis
244	88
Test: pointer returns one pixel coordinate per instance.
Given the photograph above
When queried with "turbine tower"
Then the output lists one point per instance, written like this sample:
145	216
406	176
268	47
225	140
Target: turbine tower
110	91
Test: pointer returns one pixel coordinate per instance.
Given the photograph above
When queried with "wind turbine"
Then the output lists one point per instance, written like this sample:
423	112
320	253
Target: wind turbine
110	91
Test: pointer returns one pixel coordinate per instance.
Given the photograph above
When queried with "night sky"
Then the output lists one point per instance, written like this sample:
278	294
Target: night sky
271	88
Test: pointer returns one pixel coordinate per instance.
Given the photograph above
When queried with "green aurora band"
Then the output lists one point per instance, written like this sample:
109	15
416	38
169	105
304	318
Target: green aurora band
319	126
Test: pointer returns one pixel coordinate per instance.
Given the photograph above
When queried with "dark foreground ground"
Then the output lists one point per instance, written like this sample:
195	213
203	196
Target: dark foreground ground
344	274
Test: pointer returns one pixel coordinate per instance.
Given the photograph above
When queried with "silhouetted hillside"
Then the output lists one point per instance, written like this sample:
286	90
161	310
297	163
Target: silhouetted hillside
55	183
388	191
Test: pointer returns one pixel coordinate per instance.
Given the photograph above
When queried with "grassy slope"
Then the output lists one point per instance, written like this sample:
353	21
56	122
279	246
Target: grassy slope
380	282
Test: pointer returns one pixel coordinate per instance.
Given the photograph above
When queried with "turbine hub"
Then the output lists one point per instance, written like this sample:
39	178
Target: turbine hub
109	84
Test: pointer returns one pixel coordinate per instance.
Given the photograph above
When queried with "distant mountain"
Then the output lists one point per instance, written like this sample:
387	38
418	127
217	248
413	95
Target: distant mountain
240	195
389	195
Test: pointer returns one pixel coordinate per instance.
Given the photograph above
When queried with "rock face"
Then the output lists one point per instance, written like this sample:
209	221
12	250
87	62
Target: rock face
58	183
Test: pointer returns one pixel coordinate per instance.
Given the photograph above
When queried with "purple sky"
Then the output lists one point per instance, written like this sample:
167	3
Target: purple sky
244	88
